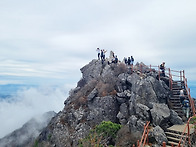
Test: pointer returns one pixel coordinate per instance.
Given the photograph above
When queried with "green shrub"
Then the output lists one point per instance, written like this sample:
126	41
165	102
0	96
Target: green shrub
99	136
107	129
36	143
193	121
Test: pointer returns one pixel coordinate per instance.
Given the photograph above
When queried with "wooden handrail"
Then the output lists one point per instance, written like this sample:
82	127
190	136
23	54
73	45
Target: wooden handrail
187	135
189	95
145	135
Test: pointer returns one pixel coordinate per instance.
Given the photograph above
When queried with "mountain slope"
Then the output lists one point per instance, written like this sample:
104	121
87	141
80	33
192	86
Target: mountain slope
112	93
25	136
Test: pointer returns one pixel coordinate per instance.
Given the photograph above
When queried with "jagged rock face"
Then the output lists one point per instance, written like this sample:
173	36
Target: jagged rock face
160	113
26	135
159	135
109	92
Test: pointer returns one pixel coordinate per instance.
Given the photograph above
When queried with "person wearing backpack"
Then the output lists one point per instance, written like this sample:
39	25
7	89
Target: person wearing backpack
185	105
116	59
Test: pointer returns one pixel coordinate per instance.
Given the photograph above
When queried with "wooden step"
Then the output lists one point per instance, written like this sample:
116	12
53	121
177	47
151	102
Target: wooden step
176	108
173	139
174	134
174	143
177	96
175	103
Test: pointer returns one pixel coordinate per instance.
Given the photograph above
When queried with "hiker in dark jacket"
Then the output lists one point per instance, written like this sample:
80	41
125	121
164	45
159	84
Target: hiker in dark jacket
162	67
116	59
129	61
185	104
132	60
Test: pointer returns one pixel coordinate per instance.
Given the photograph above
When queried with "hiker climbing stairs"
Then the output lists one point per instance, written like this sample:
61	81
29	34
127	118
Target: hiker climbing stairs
175	103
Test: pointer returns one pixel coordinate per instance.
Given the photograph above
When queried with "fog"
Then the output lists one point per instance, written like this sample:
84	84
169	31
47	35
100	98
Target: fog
27	103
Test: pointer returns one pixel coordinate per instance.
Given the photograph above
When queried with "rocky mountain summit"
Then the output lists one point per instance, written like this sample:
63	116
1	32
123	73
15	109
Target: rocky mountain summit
25	136
115	93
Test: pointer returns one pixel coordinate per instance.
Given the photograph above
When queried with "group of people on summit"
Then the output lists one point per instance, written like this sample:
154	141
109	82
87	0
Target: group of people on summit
114	58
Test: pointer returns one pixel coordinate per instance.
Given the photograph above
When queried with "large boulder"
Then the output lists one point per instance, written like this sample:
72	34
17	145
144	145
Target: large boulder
175	119
95	67
159	135
142	111
160	114
103	108
126	138
136	124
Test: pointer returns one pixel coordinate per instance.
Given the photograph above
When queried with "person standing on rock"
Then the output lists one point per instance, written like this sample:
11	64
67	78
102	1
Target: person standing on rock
125	60
162	67
129	61
98	51
104	51
132	60
116	59
103	55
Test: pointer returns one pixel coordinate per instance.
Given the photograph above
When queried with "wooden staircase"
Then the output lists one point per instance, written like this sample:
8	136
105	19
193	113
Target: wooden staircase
173	137
175	103
174	134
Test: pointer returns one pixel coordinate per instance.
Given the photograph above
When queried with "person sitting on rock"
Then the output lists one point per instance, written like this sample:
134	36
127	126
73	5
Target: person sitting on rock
125	60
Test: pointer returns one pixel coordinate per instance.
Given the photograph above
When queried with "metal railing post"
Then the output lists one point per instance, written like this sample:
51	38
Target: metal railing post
138	143
189	133
140	68
159	71
164	144
170	79
150	68
183	75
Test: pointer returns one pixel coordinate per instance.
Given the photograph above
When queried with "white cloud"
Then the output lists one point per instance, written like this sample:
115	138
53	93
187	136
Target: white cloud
47	34
15	111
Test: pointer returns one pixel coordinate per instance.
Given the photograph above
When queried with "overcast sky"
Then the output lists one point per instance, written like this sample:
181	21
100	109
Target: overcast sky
51	40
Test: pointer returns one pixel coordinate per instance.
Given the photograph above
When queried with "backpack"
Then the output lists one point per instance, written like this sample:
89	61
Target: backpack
186	103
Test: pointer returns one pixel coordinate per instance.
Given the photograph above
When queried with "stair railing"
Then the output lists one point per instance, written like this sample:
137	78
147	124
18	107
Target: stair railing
145	135
187	128
189	94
